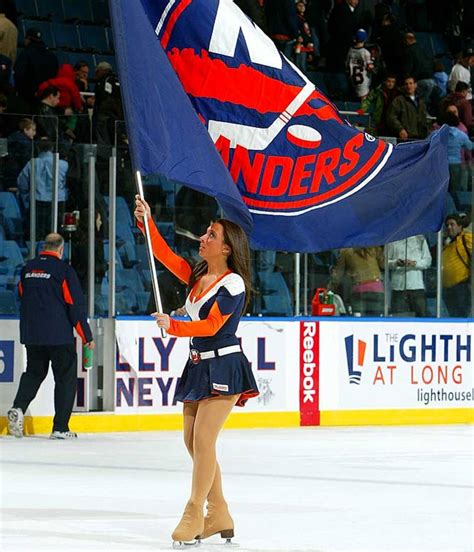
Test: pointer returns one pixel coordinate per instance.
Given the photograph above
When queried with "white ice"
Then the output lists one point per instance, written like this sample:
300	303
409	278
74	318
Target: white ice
319	489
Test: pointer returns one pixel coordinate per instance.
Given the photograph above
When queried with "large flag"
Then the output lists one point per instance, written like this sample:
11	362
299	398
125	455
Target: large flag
310	180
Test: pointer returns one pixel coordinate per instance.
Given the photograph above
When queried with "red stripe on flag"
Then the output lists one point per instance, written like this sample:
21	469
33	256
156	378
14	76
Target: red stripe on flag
172	22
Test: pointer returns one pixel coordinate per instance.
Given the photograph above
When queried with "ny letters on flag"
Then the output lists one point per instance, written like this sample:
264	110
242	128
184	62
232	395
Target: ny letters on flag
310	180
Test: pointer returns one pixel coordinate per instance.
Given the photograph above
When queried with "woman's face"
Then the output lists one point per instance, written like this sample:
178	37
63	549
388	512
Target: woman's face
212	244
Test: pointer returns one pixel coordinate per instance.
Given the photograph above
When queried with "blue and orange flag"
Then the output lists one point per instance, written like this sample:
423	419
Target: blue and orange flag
211	103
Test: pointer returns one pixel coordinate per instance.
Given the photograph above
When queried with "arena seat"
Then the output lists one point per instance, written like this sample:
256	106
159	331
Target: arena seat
27	8
93	38
66	36
8	303
275	295
77	11
52	10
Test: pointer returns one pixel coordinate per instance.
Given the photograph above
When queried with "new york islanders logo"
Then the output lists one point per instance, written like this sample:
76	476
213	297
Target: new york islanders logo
355	375
284	143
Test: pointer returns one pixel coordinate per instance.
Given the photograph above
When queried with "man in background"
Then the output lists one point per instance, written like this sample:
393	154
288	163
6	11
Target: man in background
52	304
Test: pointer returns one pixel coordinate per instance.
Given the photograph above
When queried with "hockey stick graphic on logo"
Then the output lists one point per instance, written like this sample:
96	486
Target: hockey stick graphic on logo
255	138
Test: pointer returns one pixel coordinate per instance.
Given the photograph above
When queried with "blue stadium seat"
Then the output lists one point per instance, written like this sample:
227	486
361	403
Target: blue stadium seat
11	259
44	27
50	9
424	39
143	298
126	302
27	8
129	278
122	210
66	36
93	38
100	11
463	199
439	44
110	39
8	303
10	217
77	11
275	294
118	260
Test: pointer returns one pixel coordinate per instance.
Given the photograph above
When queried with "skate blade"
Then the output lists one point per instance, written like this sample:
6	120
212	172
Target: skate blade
216	546
186	545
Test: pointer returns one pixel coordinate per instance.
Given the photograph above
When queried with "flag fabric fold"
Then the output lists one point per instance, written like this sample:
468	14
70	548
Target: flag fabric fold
166	136
199	79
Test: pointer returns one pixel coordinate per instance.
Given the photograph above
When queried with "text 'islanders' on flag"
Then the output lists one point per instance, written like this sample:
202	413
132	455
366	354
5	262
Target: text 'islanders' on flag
211	103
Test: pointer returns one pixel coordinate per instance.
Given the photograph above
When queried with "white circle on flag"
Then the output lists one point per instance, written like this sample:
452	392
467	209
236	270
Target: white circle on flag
303	136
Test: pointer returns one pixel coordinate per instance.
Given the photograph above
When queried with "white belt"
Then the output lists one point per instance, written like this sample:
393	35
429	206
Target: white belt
195	356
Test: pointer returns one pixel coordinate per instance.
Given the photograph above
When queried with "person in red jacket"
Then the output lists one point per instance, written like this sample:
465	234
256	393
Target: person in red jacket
70	101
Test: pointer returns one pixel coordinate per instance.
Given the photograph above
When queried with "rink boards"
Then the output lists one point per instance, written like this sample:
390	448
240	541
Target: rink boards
309	371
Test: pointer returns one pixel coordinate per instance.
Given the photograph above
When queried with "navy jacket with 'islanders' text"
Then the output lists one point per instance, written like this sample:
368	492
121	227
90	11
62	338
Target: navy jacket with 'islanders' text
52	302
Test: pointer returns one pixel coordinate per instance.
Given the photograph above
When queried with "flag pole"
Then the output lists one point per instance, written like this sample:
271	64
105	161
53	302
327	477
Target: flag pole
151	259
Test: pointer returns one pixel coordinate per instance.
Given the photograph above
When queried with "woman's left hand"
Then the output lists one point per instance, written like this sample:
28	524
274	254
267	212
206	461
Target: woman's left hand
163	320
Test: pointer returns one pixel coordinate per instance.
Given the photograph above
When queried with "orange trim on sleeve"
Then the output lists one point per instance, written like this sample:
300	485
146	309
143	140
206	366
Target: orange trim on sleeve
162	251
67	294
81	333
200	328
20	288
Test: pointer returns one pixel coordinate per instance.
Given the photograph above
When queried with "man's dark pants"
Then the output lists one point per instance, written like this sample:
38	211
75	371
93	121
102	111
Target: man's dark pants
63	359
458	300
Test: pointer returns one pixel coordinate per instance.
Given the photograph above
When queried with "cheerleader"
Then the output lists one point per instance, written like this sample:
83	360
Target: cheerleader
217	375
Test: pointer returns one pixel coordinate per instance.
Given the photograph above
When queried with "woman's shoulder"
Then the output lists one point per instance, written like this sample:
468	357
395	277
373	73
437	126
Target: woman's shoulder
233	283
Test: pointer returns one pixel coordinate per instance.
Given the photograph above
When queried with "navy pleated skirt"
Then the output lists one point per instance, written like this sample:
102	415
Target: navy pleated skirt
226	375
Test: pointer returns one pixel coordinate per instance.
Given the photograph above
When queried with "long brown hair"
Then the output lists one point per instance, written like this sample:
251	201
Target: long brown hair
238	261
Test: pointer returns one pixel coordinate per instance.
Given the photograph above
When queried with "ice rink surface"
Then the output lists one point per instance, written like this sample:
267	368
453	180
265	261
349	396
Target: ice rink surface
304	489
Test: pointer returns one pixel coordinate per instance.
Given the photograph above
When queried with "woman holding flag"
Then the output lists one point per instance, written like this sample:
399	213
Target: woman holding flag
217	375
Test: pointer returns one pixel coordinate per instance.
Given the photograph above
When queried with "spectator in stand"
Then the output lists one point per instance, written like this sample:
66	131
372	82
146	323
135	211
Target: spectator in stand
20	150
47	119
389	38
363	266
461	71
305	46
442	119
70	100
255	9
81	70
420	65
406	116
441	79
282	24
343	22
407	259
457	267
359	65
80	253
34	65
108	103
43	173
378	102
317	13
8	37
457	141
458	98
